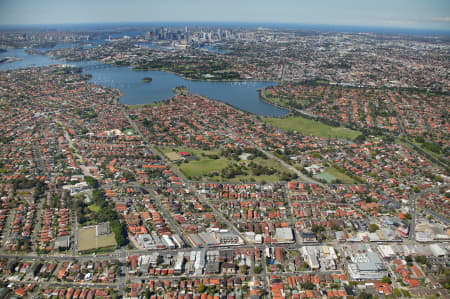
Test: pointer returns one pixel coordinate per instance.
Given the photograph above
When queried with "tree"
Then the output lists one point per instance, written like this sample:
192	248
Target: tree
159	260
317	228
421	259
406	293
120	232
386	279
258	269
307	285
243	269
147	293
129	176
201	288
336	227
98	196
93	183
373	228
420	139
365	295
397	292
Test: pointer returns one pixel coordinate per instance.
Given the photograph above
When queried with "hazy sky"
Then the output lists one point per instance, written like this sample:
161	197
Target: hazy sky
389	13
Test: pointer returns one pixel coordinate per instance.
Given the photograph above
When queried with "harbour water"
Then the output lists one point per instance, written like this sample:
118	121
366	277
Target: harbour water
243	95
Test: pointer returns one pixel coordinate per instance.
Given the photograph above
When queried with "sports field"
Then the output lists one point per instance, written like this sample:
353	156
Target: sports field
332	174
87	239
203	167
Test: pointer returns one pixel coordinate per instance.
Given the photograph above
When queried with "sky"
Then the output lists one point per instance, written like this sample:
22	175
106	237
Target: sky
426	14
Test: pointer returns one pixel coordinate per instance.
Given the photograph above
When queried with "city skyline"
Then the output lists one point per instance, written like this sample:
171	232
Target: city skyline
401	14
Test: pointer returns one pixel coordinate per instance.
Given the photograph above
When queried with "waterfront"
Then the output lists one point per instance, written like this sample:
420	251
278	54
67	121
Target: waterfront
243	95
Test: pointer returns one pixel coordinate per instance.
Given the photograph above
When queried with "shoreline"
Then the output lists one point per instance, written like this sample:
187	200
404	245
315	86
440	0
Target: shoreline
121	94
263	98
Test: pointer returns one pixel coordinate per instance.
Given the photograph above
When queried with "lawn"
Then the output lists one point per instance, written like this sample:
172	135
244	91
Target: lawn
277	101
197	152
311	127
271	163
94	208
173	156
260	178
87	239
327	177
203	167
345	179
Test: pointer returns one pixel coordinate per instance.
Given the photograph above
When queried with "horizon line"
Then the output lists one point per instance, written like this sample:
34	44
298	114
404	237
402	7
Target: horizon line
227	22
333	28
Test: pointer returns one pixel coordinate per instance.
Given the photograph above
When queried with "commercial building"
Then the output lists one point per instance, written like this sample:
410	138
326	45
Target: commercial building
365	264
284	235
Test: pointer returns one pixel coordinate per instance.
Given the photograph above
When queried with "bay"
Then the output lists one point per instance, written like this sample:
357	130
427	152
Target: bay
241	94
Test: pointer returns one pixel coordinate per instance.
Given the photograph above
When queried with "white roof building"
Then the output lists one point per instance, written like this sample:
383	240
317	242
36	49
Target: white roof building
386	251
284	235
437	250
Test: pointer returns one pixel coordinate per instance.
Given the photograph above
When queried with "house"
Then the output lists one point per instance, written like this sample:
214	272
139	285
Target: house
21	292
